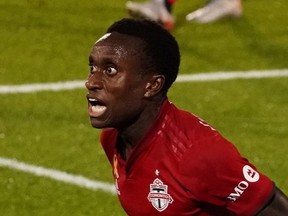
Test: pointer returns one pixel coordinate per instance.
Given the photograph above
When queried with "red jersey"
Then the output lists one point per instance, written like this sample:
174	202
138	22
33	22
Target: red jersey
185	167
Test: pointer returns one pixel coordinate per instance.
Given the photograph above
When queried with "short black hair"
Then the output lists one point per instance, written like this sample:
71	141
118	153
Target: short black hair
162	53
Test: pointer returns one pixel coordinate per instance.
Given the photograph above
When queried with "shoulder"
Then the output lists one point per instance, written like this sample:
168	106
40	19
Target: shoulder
200	137
212	169
186	134
190	123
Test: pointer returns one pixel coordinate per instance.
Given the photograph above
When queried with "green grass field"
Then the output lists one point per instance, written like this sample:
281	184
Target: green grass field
49	41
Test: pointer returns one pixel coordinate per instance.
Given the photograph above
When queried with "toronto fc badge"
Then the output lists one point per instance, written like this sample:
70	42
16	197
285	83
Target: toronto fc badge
158	196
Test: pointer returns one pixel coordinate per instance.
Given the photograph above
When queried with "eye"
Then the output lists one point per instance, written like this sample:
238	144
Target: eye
92	68
111	71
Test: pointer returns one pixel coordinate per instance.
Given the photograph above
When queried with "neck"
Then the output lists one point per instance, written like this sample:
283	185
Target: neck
132	134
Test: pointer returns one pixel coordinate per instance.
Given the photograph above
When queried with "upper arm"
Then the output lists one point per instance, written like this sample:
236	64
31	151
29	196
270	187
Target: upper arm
224	178
277	206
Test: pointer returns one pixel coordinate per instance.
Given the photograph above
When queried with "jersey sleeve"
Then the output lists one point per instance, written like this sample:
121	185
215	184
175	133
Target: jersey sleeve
215	173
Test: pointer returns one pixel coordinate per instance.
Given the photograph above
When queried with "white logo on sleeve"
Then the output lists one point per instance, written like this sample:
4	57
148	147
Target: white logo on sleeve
250	174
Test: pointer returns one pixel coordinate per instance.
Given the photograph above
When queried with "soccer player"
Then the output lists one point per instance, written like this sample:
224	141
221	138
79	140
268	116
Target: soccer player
165	161
161	11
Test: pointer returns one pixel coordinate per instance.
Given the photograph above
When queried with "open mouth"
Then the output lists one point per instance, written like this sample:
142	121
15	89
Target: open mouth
96	108
94	102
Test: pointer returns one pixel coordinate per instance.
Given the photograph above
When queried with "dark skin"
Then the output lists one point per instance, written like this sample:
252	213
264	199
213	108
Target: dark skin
130	101
278	206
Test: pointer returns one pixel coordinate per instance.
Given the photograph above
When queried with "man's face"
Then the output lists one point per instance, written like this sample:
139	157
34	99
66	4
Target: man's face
115	87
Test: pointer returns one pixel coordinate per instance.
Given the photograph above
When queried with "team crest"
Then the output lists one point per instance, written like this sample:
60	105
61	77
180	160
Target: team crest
158	196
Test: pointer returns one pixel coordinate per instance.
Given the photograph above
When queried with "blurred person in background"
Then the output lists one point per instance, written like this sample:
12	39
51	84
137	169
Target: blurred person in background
161	11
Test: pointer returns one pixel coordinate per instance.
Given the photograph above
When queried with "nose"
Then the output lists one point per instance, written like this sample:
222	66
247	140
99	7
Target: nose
94	81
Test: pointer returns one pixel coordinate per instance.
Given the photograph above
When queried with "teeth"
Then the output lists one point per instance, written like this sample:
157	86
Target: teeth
92	99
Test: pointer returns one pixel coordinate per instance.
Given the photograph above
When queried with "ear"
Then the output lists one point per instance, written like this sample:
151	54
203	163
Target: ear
154	85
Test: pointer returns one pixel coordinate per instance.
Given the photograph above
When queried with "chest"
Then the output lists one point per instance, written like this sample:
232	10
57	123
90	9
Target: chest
152	186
